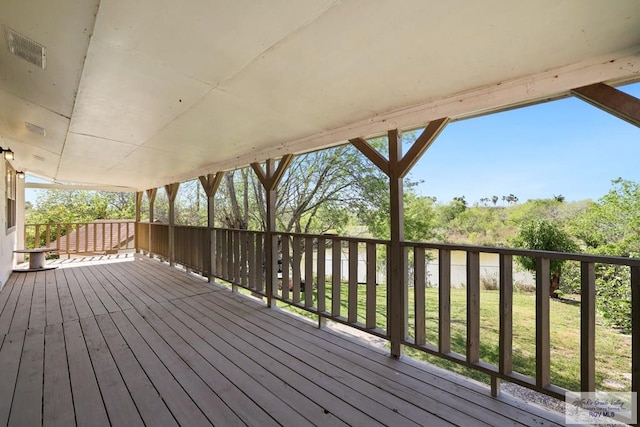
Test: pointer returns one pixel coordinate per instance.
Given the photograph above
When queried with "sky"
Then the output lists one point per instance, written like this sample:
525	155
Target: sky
565	147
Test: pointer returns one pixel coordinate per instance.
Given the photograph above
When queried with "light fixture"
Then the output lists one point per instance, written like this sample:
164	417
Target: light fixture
8	154
20	174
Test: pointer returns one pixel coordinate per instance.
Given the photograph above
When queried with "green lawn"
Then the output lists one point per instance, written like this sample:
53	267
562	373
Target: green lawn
613	350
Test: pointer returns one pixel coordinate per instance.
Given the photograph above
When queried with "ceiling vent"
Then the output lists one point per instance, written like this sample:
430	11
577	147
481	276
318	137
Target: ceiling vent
25	48
35	128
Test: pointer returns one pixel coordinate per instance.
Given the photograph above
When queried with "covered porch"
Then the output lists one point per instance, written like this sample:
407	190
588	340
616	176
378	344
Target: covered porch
141	97
126	340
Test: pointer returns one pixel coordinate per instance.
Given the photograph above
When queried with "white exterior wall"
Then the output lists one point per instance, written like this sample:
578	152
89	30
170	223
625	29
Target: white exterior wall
7	237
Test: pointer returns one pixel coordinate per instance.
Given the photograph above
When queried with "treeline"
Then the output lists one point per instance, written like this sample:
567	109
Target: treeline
339	191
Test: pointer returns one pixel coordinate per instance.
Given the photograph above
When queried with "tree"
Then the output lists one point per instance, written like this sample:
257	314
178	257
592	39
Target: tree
547	236
611	226
69	206
319	191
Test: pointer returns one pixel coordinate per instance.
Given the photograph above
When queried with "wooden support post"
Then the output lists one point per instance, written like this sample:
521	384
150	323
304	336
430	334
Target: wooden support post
172	192
588	327
473	307
397	311
505	333
543	333
210	184
139	195
611	100
270	180
444	301
635	333
151	197
396	168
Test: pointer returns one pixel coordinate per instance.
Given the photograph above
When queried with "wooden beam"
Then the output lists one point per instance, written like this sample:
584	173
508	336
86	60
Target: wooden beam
473	307
444	301
543	325
82	187
611	100
270	178
635	332
421	144
588	327
139	195
172	191
397	287
151	196
262	176
211	182
372	154
277	175
136	242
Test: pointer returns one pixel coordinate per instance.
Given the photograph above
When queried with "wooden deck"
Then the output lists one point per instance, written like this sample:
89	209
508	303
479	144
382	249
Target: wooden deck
134	342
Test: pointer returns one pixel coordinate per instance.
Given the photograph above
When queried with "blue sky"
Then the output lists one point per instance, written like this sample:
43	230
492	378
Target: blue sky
564	147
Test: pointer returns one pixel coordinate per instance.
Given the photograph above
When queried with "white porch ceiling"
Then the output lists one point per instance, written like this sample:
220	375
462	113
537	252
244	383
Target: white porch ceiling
143	93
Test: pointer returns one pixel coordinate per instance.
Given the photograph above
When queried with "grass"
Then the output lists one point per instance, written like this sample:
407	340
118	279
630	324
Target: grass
613	349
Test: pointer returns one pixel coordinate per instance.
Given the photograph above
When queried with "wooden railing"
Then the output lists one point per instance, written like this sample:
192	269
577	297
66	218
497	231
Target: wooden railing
419	255
81	238
142	236
334	277
193	248
159	240
346	280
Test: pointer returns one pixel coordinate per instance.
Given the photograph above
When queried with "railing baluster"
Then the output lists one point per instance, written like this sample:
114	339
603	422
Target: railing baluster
260	262
236	257
244	276
336	276
86	238
119	237
444	301
473	307
286	262
48	236
67	231
297	276
419	295
77	231
253	268
352	300
219	252
505	333
230	267
543	336
371	285
308	272
224	254
321	281
635	333
36	240
95	237
588	327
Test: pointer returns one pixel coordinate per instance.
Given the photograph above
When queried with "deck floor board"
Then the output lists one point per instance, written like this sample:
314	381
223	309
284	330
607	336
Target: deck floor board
132	341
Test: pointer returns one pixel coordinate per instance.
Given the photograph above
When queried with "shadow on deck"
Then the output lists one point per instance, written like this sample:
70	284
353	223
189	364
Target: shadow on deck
118	341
